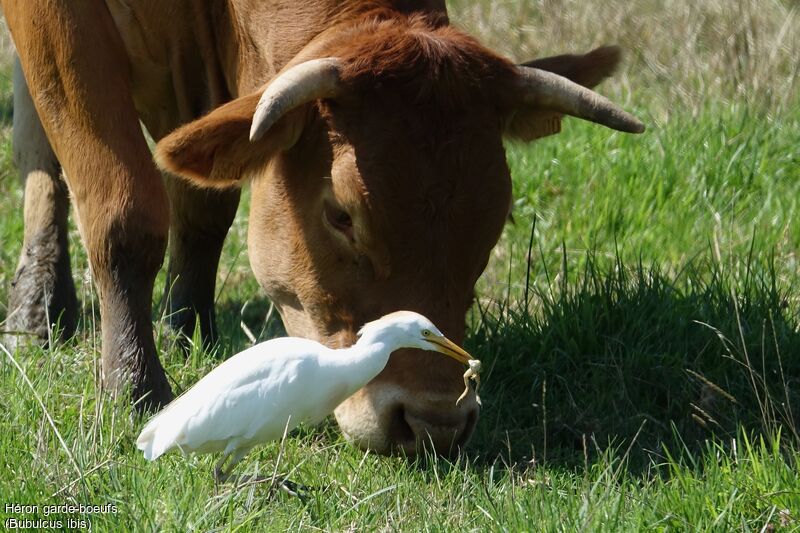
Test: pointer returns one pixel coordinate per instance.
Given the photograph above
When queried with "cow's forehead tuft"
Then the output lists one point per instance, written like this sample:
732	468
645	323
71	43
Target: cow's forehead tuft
421	58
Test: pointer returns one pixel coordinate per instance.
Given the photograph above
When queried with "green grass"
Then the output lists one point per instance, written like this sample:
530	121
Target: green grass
641	370
727	173
638	322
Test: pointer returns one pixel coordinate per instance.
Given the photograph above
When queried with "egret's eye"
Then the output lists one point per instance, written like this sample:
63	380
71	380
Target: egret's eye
426	333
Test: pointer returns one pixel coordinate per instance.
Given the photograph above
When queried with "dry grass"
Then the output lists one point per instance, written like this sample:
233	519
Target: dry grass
680	53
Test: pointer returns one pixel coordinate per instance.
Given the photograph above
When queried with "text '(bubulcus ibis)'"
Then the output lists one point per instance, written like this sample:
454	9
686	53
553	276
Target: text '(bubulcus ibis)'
257	394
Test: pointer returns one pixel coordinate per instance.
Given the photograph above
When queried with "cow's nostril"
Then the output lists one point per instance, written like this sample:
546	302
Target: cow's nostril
445	431
400	431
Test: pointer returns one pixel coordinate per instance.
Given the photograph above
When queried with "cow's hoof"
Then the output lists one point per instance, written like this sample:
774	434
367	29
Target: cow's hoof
152	395
42	296
131	369
148	392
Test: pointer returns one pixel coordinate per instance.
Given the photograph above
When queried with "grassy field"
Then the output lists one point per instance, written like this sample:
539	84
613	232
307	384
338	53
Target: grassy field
639	320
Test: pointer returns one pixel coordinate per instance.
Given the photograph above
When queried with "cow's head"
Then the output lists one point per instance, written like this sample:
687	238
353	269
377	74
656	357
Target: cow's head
379	183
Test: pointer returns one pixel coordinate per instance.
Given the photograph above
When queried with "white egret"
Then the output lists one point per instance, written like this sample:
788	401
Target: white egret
257	394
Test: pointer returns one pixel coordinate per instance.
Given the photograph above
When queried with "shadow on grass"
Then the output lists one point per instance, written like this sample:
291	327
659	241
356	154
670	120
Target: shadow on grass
240	324
255	317
622	358
616	358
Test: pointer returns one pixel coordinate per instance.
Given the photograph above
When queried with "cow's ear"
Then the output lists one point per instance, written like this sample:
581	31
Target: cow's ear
584	69
215	150
532	122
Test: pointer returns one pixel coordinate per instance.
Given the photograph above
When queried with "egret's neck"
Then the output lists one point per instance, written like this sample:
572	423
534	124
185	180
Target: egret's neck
372	339
367	357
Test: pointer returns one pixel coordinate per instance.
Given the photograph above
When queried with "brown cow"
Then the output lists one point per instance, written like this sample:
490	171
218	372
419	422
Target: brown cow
371	132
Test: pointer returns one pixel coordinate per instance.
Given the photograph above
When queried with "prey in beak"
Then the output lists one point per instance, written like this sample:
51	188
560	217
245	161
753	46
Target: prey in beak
451	349
444	345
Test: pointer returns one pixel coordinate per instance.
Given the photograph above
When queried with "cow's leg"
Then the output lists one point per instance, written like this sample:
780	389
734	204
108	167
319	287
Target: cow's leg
200	221
79	78
42	291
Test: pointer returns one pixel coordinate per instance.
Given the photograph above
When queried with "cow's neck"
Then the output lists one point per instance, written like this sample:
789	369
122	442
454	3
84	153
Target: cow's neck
189	56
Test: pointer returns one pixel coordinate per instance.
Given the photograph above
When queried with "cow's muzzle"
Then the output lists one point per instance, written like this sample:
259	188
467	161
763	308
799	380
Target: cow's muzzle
387	417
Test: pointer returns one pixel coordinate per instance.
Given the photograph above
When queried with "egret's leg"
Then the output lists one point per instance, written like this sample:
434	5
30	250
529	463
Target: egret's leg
238	455
222	474
224	467
219	475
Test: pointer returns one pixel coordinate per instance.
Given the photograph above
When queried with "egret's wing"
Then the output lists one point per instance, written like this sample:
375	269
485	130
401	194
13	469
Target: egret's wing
229	401
259	406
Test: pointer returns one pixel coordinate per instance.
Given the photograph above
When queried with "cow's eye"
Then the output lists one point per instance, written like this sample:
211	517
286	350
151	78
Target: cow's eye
339	219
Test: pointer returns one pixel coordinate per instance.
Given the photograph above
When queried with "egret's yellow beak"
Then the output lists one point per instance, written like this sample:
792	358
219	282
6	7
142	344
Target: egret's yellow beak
451	349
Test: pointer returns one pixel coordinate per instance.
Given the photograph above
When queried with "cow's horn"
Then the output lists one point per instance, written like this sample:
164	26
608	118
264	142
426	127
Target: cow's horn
546	89
311	80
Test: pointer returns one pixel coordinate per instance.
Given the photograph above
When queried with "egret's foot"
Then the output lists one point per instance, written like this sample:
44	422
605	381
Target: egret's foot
288	486
294	489
220	476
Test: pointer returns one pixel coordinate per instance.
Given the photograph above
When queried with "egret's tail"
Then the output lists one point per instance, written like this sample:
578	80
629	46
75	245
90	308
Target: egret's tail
157	437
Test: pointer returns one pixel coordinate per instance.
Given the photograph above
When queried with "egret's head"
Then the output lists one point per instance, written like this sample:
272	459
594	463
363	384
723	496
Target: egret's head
407	329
